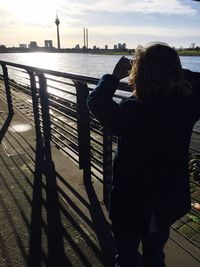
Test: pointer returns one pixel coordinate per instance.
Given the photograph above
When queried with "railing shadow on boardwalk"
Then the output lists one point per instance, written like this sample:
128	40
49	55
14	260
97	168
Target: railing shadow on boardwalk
98	222
53	227
45	195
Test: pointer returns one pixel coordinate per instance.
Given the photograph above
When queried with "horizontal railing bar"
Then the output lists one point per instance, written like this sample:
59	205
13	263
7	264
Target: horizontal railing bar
65	107
26	103
96	122
93	119
16	69
63	114
60	81
65	145
73	129
64	136
120	97
64	150
52	98
11	80
61	90
20	91
52	101
65	129
69	75
14	84
61	134
20	84
65	123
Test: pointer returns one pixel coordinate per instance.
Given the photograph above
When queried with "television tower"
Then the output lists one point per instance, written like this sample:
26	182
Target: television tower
57	22
85	36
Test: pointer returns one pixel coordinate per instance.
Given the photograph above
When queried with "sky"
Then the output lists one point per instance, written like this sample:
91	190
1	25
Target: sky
109	22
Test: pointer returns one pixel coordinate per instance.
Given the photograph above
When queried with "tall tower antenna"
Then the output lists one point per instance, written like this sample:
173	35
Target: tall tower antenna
87	39
57	22
84	46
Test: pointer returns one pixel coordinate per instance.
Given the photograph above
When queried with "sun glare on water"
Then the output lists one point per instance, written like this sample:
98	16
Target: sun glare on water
41	60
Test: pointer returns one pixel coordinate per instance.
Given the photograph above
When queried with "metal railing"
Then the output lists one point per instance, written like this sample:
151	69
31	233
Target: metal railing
55	103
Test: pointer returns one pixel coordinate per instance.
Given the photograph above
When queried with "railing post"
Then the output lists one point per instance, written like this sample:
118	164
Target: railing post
7	88
9	103
107	164
38	132
83	125
49	165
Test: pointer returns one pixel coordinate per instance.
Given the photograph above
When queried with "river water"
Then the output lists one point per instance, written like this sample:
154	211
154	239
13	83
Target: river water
82	64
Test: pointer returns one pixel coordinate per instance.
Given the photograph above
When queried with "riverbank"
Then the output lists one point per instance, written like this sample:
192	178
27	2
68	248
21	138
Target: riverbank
126	52
195	53
187	52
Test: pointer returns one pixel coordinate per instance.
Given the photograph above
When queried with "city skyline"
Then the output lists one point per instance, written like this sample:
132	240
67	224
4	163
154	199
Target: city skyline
132	22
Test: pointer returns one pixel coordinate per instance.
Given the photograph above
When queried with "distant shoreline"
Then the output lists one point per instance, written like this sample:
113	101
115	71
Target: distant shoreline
190	53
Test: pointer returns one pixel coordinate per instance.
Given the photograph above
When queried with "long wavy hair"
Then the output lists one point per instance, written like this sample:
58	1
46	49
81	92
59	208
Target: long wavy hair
157	71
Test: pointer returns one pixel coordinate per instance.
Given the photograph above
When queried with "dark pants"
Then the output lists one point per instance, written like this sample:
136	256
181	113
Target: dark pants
127	243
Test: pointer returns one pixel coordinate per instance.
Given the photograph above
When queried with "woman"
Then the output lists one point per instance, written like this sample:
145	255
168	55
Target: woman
150	188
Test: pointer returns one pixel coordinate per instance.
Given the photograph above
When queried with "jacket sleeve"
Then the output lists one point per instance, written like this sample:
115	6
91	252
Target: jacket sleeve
102	105
194	79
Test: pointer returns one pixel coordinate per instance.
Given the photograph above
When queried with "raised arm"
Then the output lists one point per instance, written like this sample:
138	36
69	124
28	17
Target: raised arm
101	103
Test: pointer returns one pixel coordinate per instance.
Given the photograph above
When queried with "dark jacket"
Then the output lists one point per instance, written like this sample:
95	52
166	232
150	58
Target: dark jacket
150	170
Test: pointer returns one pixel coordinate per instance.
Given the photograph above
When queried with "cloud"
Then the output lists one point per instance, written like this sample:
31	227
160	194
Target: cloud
71	11
153	31
168	7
